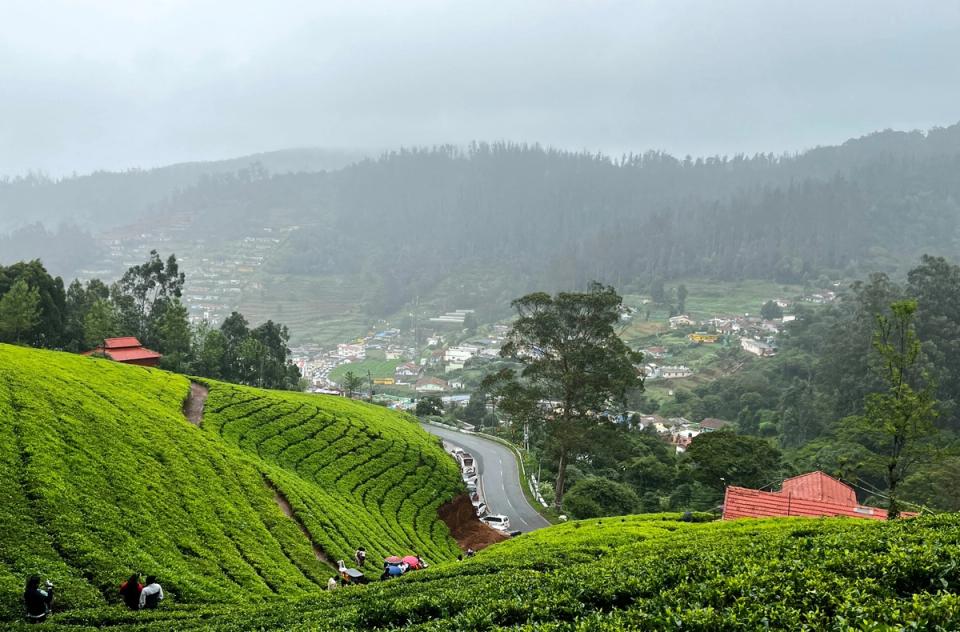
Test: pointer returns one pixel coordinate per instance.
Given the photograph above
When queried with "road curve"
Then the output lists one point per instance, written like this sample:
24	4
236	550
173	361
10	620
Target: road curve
500	478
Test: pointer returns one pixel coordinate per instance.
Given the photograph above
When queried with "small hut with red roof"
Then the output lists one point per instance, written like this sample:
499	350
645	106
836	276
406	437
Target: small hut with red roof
127	350
809	495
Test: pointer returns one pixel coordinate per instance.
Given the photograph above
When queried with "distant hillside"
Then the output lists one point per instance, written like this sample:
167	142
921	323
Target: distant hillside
548	219
101	474
104	199
557	219
651	572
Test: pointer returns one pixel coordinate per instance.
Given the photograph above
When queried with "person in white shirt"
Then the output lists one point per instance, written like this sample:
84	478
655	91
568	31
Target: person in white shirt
151	594
331	584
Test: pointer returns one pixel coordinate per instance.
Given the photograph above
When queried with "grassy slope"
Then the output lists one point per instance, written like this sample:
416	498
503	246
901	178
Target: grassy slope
377	368
100	474
641	572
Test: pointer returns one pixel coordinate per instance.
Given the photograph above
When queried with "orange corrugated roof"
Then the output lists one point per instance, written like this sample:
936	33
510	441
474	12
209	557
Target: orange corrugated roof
121	343
819	486
740	502
126	355
810	495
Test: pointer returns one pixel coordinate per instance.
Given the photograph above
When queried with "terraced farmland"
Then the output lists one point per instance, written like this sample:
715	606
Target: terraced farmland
101	474
355	474
321	309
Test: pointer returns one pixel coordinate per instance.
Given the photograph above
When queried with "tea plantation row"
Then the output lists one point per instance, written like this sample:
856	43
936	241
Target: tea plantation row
101	475
382	478
641	572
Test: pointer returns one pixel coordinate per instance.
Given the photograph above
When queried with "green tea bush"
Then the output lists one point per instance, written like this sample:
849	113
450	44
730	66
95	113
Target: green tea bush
637	573
101	475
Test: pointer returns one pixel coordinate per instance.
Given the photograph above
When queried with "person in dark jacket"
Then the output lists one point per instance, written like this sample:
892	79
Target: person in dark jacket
37	601
130	591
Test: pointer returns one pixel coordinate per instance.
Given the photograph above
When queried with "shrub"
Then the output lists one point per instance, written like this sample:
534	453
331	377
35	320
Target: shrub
594	497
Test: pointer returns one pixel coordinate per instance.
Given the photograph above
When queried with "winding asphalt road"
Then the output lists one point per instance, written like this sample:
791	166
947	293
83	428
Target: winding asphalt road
499	476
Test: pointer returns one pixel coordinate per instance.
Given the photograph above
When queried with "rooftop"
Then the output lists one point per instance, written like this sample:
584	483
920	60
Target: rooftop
810	495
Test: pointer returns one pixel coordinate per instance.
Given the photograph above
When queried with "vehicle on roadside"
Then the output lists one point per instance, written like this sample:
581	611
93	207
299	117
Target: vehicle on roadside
499	522
480	507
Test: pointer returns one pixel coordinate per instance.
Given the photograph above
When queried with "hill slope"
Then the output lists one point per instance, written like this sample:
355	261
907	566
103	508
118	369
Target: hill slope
643	573
101	474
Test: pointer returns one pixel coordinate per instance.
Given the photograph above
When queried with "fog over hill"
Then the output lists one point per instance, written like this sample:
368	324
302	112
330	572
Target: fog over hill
548	216
105	85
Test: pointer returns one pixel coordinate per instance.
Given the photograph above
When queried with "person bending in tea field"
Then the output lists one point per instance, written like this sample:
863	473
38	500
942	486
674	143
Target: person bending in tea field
152	594
37	601
130	591
360	556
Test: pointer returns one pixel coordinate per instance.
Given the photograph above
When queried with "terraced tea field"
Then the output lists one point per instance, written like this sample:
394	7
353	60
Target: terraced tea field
101	474
372	477
637	573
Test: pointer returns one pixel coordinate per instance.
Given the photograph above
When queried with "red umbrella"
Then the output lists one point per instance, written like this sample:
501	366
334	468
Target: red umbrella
393	559
412	561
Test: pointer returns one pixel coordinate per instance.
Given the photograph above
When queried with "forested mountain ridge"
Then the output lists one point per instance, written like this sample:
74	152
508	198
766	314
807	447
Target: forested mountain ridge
562	219
559	219
102	200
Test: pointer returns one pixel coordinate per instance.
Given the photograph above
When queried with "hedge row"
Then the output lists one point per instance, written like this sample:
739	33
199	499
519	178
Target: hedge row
644	573
381	478
101	475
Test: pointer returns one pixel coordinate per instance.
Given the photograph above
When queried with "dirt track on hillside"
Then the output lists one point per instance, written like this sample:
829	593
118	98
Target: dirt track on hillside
193	407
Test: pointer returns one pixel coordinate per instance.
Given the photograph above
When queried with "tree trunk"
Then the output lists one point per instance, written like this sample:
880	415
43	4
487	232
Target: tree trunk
893	508
561	480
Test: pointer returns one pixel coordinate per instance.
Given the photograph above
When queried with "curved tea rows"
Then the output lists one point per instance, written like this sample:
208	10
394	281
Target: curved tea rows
101	475
381	478
639	573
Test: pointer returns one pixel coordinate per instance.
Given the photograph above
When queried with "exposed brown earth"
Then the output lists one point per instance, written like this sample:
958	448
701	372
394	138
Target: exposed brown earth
287	510
469	532
193	407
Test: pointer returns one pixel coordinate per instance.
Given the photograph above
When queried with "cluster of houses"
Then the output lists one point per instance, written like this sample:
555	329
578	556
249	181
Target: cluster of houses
440	358
756	335
822	298
678	431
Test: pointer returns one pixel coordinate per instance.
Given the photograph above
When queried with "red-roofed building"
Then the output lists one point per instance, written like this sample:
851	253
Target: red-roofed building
810	495
127	350
710	424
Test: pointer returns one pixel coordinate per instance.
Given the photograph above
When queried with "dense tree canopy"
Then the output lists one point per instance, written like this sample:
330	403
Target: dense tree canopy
553	219
725	458
595	497
35	310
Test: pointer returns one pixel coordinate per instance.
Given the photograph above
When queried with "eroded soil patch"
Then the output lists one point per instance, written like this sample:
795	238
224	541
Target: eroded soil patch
469	532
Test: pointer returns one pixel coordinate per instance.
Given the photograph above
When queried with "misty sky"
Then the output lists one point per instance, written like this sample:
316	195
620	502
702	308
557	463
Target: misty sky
97	84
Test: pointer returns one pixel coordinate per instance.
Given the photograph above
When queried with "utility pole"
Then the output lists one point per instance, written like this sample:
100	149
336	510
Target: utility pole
370	381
